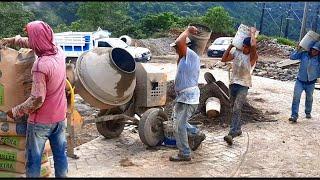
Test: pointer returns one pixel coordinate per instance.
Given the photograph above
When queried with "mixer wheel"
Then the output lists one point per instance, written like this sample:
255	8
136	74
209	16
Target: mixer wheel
110	129
151	128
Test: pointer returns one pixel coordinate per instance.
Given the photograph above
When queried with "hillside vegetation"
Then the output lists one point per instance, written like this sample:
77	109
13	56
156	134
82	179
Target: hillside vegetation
152	19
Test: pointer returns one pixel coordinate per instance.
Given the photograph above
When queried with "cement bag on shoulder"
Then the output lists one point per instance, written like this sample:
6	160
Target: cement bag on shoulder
15	77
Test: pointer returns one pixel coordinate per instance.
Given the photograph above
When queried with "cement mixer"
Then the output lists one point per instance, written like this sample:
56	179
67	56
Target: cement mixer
111	80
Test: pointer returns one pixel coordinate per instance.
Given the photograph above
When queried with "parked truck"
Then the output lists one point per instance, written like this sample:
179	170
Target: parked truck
76	43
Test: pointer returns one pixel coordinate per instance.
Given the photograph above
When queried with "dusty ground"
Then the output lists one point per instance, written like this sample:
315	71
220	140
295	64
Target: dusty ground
268	149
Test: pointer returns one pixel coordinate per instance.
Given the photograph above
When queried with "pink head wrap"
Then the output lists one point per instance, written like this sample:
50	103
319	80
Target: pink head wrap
40	37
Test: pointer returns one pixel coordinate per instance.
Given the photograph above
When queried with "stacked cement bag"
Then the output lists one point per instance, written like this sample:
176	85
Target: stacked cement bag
12	160
15	88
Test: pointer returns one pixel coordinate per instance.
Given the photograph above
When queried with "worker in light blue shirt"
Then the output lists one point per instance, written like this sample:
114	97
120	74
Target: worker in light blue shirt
187	96
309	71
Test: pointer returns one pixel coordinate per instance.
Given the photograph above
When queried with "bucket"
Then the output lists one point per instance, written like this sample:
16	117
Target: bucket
309	39
213	107
242	33
200	40
105	77
169	139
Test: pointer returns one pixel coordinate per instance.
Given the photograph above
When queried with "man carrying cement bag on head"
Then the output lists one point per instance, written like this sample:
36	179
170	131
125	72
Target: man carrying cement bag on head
47	104
243	61
188	94
306	79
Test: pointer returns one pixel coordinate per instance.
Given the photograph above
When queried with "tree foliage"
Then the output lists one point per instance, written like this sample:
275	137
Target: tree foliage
157	23
107	15
149	19
13	18
218	20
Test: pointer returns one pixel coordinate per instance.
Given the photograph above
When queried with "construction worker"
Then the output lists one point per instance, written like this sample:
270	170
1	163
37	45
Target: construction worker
47	104
188	94
306	79
240	82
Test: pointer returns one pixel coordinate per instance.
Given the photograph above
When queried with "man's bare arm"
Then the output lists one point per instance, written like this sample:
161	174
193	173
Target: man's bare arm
15	41
181	41
253	49
227	56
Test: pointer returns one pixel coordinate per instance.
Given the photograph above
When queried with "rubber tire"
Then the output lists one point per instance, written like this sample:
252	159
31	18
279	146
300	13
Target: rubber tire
110	129
147	136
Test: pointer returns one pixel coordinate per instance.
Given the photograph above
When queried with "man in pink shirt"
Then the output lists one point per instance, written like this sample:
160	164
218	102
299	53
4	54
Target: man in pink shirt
47	104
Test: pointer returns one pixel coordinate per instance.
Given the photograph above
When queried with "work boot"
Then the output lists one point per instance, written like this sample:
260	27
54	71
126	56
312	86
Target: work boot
228	139
196	140
238	133
180	157
293	119
308	116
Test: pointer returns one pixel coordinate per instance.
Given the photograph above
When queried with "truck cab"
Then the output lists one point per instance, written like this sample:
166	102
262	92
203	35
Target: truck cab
76	43
140	54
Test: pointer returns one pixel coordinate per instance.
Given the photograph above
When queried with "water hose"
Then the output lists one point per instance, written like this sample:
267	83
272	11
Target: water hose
70	139
72	96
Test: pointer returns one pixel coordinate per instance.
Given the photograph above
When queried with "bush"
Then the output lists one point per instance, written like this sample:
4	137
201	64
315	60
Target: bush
285	41
262	37
280	40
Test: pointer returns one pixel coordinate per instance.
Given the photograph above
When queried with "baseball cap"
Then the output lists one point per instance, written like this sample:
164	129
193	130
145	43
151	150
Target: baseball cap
316	46
247	41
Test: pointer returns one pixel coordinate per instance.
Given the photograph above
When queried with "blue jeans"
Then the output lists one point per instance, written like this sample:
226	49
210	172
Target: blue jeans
37	135
181	115
238	96
298	88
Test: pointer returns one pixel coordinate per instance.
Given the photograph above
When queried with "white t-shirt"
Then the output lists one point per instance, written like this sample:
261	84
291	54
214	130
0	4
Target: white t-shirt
241	68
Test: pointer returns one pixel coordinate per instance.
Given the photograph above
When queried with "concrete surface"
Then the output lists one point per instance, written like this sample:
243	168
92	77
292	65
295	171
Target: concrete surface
270	149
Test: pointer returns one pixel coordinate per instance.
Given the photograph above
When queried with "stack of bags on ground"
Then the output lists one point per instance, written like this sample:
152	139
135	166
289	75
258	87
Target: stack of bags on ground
12	157
15	88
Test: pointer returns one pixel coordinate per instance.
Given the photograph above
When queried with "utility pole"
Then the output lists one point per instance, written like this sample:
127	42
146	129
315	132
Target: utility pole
304	21
315	22
281	33
262	14
287	25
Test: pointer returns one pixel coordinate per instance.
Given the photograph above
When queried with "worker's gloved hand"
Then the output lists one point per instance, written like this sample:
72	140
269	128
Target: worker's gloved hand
6	41
10	114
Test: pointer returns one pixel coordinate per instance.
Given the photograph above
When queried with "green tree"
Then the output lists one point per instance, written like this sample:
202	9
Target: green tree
61	28
74	26
159	23
111	16
13	18
218	20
